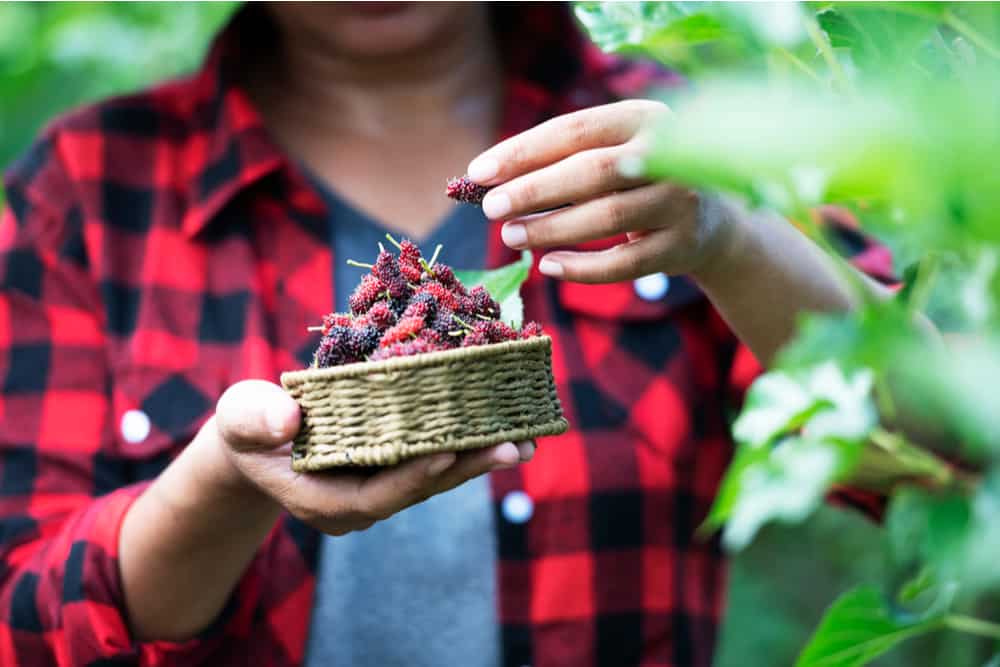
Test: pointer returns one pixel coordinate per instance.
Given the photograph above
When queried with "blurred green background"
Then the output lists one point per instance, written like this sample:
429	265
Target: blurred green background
58	55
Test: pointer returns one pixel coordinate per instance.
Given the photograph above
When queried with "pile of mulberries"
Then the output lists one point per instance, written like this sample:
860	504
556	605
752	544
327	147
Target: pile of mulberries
406	305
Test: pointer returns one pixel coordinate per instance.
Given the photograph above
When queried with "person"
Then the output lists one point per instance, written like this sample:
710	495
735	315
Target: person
163	254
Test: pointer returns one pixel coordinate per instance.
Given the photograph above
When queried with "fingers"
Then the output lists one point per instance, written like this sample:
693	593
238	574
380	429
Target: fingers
581	176
256	414
553	140
393	490
605	217
637	257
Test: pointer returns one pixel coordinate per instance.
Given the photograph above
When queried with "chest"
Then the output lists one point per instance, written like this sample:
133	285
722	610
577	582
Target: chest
599	525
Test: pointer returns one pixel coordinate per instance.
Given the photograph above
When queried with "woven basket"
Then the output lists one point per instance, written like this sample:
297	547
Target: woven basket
382	412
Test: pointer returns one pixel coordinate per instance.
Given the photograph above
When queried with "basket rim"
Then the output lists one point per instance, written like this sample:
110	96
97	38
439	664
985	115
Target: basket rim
293	378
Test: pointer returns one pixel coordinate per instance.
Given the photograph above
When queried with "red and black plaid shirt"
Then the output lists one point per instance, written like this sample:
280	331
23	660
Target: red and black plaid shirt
159	247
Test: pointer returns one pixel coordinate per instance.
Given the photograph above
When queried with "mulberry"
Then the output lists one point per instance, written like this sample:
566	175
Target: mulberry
409	261
368	291
334	349
482	304
405	329
530	329
380	316
363	341
423	305
464	190
445	298
386	269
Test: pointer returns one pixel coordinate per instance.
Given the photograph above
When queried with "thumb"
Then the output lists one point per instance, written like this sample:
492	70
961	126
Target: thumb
257	414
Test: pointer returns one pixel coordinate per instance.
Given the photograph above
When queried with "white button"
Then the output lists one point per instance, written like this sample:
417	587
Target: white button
652	287
517	507
135	426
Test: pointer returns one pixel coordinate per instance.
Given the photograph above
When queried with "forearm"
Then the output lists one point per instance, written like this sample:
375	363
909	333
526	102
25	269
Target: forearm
767	273
186	542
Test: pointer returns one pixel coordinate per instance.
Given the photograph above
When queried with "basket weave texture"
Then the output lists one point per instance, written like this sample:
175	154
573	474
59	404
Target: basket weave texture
382	412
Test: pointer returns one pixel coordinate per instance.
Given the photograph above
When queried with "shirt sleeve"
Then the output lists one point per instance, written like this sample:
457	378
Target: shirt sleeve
62	500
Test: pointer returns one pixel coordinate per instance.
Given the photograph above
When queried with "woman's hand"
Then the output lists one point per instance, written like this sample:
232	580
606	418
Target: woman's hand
572	164
256	421
199	524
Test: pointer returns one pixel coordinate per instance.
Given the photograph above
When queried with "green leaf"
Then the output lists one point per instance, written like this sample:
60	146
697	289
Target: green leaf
858	628
788	486
774	403
504	285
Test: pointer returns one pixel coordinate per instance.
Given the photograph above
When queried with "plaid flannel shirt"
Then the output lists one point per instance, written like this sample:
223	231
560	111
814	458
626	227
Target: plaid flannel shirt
158	247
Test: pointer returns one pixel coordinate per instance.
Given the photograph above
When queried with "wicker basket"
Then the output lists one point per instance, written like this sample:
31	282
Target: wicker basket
382	412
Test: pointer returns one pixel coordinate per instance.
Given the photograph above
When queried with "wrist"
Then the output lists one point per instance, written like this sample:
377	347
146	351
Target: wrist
729	230
206	478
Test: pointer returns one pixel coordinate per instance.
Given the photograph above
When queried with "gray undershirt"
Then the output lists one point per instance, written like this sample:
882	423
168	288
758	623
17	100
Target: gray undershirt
419	588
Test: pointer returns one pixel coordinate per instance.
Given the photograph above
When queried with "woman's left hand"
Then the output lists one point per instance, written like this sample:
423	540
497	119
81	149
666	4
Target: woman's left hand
571	164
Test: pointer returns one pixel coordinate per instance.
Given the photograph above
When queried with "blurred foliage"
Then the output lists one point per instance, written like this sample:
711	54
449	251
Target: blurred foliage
55	56
891	110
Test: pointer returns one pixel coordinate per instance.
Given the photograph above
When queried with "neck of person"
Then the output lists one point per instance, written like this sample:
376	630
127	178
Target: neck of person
387	132
452	81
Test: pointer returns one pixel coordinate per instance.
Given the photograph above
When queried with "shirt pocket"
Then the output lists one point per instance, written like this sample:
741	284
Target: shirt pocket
159	410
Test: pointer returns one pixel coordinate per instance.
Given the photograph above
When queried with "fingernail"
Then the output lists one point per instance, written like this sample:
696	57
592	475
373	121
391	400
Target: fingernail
483	168
526	451
496	205
277	421
507	455
550	267
514	234
439	463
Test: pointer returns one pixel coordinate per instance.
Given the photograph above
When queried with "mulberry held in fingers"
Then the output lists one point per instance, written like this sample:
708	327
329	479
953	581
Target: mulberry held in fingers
464	190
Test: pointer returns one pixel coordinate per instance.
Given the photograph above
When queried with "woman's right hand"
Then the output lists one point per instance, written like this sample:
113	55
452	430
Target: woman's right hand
255	422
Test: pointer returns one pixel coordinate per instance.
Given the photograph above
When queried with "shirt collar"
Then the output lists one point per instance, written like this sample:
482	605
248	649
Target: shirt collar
550	68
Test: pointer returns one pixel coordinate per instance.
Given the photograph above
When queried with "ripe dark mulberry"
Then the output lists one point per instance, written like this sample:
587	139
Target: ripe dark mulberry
363	341
464	190
481	303
335	348
386	269
423	305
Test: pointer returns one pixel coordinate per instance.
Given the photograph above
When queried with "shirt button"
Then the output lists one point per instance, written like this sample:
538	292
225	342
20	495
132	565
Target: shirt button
135	426
517	507
652	287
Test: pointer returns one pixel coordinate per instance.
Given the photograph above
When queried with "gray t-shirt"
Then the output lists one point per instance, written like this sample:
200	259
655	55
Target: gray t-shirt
420	588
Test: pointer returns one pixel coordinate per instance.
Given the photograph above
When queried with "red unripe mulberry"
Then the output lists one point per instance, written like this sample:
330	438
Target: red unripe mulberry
368	291
406	329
